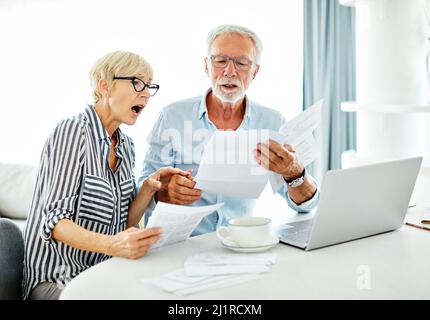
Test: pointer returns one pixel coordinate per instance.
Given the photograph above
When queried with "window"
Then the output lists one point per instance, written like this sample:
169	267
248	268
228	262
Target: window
50	46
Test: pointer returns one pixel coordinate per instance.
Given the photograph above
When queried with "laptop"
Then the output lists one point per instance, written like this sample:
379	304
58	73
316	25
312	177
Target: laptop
356	203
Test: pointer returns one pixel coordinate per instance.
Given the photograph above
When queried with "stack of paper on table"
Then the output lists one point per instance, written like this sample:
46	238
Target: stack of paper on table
208	271
227	166
220	264
177	221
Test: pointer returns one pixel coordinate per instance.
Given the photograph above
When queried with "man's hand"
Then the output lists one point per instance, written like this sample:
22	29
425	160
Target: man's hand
155	182
283	160
179	190
160	179
133	243
280	159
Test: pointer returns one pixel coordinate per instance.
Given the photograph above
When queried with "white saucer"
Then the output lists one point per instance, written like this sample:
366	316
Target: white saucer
229	243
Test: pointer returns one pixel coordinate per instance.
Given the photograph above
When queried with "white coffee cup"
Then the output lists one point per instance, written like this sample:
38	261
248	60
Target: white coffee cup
247	231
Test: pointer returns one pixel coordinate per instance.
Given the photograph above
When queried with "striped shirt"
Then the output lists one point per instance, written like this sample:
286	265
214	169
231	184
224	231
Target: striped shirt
75	182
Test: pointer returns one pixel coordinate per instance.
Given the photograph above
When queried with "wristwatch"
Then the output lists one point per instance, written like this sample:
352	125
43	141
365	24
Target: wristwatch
298	181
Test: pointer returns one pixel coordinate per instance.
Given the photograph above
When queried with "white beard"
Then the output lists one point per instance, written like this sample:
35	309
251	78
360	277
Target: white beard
228	97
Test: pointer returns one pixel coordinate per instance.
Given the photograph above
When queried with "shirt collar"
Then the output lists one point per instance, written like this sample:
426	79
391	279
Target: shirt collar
203	108
99	130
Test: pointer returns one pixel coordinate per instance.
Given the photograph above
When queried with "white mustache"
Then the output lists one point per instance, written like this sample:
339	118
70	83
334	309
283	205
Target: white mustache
229	82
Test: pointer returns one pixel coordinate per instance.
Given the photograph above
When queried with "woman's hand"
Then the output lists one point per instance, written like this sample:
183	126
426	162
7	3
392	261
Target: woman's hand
133	243
155	182
160	179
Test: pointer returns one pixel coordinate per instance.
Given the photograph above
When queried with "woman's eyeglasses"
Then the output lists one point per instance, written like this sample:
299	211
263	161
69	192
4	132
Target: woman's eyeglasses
139	85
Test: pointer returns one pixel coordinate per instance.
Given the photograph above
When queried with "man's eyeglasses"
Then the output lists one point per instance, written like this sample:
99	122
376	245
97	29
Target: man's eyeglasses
221	61
139	85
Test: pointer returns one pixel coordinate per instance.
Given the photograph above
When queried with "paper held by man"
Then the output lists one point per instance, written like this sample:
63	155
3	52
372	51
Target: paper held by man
228	168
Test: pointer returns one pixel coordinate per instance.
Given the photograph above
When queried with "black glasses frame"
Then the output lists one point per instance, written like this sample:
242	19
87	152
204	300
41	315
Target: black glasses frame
145	85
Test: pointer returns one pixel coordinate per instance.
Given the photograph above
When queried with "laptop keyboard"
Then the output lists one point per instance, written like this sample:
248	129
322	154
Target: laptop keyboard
299	233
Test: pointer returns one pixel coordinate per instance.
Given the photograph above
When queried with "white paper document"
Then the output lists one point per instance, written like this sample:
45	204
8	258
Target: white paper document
207	264
298	133
298	128
178	283
230	281
177	221
227	166
205	271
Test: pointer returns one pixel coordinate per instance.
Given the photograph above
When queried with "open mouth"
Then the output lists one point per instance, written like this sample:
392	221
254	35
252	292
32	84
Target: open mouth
229	86
137	108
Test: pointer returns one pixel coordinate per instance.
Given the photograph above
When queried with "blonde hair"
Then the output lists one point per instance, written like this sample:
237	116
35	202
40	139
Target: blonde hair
232	28
117	64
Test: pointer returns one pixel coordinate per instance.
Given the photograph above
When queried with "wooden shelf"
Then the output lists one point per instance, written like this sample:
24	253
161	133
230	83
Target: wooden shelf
352	106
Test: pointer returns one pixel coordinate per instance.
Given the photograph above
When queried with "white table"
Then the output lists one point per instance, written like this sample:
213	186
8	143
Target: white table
394	265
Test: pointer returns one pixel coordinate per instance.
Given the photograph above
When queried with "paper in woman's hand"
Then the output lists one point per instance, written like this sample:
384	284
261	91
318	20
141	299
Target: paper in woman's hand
177	221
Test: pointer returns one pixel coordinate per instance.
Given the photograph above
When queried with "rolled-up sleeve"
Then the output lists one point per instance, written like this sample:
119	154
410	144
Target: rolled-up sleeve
60	174
51	220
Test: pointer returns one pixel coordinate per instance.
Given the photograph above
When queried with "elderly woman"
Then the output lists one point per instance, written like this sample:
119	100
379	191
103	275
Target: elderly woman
85	204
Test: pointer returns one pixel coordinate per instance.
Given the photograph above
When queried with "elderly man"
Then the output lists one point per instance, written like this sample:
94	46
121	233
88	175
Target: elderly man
185	126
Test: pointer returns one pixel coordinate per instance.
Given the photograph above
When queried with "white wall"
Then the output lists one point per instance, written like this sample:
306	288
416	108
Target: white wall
48	47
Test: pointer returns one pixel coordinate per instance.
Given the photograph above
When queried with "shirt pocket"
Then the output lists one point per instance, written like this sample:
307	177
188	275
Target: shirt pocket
127	189
97	203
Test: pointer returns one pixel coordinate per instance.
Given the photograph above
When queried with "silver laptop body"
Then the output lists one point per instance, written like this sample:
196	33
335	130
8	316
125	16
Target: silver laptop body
357	203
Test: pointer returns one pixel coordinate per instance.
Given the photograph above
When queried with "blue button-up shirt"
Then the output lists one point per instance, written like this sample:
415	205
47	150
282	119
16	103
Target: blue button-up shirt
178	139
